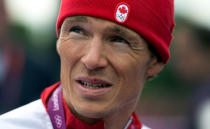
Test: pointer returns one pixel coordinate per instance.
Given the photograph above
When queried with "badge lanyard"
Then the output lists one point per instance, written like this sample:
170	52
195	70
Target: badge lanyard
56	111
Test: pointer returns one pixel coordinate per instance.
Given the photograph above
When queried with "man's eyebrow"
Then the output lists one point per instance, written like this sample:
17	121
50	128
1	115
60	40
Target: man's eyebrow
76	19
121	31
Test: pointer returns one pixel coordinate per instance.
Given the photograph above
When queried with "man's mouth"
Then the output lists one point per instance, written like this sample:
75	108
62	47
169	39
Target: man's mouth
93	83
93	86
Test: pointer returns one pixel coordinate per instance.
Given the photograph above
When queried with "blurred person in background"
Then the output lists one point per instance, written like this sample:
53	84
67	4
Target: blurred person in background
21	64
108	50
11	65
192	64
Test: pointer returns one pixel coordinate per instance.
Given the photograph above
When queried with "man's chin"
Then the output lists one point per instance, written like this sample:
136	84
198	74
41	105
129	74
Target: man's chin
91	113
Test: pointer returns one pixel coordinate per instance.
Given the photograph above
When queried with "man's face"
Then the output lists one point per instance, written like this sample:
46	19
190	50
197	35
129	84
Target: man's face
103	65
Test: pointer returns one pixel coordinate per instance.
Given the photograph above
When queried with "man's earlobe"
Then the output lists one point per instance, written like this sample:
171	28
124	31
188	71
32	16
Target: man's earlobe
154	68
57	47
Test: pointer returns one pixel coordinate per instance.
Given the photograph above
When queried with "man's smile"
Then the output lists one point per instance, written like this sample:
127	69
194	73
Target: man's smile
93	86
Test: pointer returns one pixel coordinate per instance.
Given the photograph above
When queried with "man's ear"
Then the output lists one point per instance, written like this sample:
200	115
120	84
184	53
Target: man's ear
57	46
154	68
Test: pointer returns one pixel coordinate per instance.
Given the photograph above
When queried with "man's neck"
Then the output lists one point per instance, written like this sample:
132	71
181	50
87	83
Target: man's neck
115	120
120	118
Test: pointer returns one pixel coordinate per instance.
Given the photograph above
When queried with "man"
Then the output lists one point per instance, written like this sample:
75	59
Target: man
108	49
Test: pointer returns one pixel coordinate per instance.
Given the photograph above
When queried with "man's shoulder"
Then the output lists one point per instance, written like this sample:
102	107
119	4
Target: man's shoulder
30	116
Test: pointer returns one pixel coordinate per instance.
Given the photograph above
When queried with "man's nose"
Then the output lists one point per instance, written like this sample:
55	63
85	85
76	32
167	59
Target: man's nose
94	57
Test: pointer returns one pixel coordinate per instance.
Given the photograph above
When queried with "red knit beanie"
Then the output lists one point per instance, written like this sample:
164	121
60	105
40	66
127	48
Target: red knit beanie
152	19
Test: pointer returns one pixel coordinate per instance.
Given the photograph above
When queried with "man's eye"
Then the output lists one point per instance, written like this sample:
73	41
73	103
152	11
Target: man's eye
77	30
119	39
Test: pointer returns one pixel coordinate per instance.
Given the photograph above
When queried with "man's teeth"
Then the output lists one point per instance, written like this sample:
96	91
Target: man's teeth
93	86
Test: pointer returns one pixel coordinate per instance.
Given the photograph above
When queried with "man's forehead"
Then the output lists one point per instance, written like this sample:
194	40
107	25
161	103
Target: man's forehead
89	19
114	27
76	19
